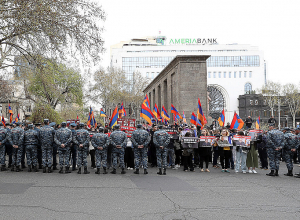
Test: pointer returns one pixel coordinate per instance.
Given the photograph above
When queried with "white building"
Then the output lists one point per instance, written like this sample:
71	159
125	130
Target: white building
232	69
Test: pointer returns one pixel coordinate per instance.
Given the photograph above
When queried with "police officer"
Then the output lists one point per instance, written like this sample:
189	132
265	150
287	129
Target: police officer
73	147
119	142
63	138
161	139
8	146
37	127
289	148
31	140
140	139
54	152
17	138
4	137
81	139
47	139
100	142
275	140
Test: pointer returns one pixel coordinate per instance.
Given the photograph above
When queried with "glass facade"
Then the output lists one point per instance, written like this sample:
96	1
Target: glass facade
130	64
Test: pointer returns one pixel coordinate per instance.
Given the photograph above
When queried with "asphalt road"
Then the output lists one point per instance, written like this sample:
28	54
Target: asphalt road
178	195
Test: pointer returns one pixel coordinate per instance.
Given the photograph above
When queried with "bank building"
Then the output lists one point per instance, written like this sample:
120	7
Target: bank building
232	69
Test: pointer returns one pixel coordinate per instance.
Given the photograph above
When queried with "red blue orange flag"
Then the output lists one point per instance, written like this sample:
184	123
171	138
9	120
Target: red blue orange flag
257	123
175	112
91	120
200	114
122	111
146	114
114	118
221	119
16	119
102	113
10	113
237	122
3	121
146	101
184	119
195	120
164	114
156	113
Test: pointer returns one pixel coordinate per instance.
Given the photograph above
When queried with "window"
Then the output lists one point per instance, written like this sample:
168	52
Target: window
248	88
28	108
224	74
256	102
229	74
209	75
240	74
219	74
265	113
245	74
251	102
234	74
152	75
215	74
250	74
147	74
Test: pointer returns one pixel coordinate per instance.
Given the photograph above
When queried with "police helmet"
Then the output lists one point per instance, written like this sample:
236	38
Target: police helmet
73	124
160	126
117	126
101	129
139	126
81	125
18	123
64	124
286	129
52	124
271	125
30	126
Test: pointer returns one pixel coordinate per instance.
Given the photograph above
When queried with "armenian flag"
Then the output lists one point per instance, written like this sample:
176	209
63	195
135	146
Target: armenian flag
16	119
195	120
164	114
237	122
91	120
221	119
146	101
156	113
10	113
146	113
184	119
122	111
3	121
200	114
257	123
102	113
114	117
175	112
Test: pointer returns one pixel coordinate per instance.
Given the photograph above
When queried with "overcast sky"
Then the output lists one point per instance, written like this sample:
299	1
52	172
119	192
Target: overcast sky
273	26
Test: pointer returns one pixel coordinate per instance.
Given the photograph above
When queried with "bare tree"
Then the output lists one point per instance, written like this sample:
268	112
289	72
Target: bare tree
271	92
52	28
292	98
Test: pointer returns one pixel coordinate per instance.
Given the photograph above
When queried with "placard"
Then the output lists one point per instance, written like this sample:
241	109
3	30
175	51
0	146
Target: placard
189	142
241	141
128	130
172	132
254	133
225	142
206	141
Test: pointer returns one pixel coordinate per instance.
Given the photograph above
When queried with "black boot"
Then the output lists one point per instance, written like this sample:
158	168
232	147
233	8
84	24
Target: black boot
67	170
61	170
79	170
104	170
40	167
44	169
276	173
159	172
29	168
271	173
123	171
35	169
3	168
18	169
137	171
114	171
12	168
54	168
98	171
165	170
49	170
289	173
145	171
86	171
